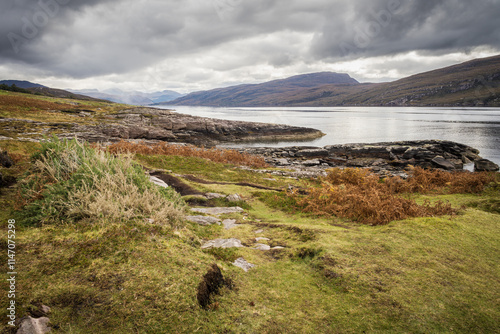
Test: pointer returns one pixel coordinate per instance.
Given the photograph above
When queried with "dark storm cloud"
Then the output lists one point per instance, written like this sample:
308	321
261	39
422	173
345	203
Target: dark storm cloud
385	27
80	39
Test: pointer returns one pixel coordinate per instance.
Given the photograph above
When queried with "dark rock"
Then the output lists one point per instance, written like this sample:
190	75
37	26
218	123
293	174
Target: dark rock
441	162
312	153
484	165
5	160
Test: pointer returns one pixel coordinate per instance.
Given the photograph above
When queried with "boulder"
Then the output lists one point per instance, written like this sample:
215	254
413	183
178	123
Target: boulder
441	162
234	198
485	165
31	325
158	182
229	223
312	153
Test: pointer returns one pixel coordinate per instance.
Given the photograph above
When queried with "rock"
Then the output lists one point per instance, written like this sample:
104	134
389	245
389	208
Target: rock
218	211
243	264
234	198
214	195
31	325
282	162
222	243
229	223
441	162
262	239
40	311
484	165
262	247
310	163
203	220
278	247
158	182
5	160
259	231
312	153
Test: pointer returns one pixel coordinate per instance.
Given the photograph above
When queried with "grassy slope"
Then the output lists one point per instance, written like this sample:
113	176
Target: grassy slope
423	275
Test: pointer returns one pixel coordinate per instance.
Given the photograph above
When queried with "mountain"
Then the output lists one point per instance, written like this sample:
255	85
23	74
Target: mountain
131	97
34	88
20	84
267	93
473	83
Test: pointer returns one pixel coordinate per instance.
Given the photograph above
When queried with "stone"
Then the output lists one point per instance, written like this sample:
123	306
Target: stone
312	153
262	239
310	163
259	231
262	247
243	264
222	243
203	220
229	223
485	165
278	247
234	198
441	162
214	195
158	182
282	162
218	211
31	325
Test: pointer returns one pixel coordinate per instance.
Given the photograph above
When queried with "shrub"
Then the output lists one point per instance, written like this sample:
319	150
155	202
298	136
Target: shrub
70	181
213	154
358	195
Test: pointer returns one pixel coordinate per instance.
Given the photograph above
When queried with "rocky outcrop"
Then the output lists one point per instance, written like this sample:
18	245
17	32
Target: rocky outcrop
165	125
385	157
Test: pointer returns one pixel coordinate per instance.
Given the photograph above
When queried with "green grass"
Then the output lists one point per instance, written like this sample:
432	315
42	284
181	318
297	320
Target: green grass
105	275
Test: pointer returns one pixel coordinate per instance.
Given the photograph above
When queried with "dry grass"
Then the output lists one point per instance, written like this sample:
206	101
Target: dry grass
19	103
70	181
212	154
356	194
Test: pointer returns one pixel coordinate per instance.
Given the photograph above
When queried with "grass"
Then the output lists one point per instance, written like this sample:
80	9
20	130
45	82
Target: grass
101	273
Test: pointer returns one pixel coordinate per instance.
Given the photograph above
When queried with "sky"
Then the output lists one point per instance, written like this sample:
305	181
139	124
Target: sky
191	45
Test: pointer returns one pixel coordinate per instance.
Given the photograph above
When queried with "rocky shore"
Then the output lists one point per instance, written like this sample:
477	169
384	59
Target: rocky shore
166	125
382	158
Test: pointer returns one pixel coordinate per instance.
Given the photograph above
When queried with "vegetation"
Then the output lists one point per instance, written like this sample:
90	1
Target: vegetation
356	194
106	261
212	154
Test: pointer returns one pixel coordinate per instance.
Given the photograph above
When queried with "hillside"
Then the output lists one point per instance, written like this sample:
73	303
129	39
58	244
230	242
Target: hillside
102	246
268	93
38	89
473	83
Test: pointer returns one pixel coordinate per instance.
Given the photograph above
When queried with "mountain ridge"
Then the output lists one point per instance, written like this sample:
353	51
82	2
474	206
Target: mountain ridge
472	83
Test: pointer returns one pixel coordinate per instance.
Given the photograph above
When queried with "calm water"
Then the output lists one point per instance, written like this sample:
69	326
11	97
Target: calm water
476	127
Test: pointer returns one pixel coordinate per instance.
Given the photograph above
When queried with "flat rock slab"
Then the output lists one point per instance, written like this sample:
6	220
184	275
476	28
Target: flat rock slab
262	239
229	223
31	325
158	182
243	264
203	220
262	247
218	211
222	243
214	195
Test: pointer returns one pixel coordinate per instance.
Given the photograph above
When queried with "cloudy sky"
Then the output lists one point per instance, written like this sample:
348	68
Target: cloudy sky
189	45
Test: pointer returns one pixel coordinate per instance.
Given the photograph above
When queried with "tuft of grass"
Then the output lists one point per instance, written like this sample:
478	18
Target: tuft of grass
70	181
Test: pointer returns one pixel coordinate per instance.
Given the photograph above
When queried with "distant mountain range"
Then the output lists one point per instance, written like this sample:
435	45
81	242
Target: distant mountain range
131	97
113	95
474	83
